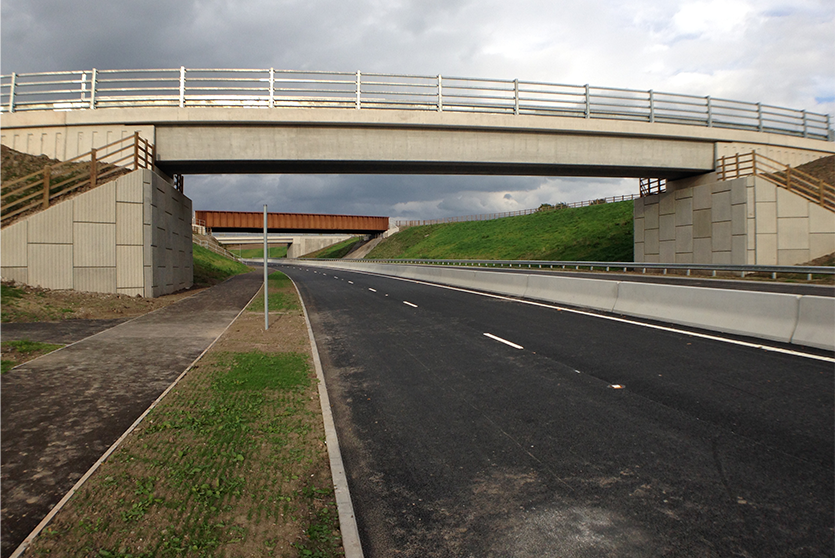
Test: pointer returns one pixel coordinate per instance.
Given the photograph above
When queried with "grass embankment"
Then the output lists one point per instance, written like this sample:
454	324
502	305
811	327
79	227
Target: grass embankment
232	462
211	268
595	233
338	250
253	253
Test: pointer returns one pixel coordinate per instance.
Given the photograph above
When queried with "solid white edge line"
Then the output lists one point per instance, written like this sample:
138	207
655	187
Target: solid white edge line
505	341
768	348
344	506
406	302
45	521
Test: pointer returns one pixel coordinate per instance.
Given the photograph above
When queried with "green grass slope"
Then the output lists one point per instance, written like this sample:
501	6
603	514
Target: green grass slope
594	233
337	250
211	269
258	253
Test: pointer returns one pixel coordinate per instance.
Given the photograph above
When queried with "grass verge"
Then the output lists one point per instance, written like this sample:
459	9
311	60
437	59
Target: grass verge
232	462
253	253
211	269
595	233
18	352
282	295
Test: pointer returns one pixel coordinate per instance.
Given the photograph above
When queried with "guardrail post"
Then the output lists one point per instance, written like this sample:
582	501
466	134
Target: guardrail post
83	82
11	92
93	169
805	131
651	106
359	89
760	117
709	112
440	94
516	96
182	86
47	175
93	79
588	102
272	87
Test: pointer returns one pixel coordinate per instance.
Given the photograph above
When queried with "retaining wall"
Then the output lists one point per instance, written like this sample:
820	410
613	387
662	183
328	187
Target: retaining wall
799	319
129	236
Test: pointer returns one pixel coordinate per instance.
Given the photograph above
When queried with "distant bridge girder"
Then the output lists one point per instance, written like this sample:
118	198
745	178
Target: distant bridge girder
253	221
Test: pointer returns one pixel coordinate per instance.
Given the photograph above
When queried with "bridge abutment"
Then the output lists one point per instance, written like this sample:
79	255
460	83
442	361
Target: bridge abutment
130	236
745	221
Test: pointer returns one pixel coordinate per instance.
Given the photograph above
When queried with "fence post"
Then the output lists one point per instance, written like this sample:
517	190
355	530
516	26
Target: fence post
47	175
588	102
359	89
788	178
93	169
93	80
805	131
182	86
760	117
709	112
651	106
754	161
440	94
722	168
11	92
820	191
516	96
272	87
736	165
135	150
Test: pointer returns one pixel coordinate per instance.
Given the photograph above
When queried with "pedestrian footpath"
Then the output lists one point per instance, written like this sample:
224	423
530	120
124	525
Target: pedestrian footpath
61	412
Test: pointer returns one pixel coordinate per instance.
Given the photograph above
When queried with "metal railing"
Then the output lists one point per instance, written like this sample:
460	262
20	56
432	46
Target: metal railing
642	267
271	88
491	216
37	190
650	186
217	249
748	164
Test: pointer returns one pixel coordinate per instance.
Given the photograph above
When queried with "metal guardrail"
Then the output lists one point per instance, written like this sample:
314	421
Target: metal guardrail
713	269
491	216
271	88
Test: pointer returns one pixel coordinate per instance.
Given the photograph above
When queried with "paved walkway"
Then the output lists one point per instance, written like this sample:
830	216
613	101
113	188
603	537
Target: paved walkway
62	411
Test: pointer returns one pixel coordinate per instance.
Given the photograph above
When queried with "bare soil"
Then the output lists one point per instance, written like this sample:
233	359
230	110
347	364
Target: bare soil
36	304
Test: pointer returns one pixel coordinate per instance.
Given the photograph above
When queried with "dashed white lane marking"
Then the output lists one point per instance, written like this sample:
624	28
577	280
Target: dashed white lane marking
768	348
505	341
350	282
407	303
372	290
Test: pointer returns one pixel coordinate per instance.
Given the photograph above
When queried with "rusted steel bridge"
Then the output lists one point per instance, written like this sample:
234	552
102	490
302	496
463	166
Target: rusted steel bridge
253	221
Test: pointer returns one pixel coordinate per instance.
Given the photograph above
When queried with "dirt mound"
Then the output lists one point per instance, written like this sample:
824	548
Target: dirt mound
823	168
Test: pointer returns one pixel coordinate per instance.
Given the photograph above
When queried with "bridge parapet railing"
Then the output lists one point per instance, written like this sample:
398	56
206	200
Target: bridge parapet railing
272	88
38	190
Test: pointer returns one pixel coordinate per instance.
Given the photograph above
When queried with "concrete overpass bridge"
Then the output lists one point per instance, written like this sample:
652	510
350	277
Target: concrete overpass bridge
271	121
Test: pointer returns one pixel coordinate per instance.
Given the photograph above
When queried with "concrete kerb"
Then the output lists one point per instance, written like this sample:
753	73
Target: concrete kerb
77	486
344	506
815	322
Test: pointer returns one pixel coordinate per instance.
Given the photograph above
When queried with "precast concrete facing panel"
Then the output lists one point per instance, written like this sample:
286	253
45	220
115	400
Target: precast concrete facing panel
101	241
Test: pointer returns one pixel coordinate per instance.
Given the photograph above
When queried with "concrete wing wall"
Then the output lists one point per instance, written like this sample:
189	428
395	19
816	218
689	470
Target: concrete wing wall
744	221
130	236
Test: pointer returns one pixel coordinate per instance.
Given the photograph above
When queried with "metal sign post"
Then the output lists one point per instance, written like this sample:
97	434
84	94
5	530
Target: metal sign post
266	286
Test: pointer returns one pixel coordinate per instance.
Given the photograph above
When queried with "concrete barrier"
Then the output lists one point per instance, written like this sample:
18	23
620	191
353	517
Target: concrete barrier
816	323
757	314
801	320
585	293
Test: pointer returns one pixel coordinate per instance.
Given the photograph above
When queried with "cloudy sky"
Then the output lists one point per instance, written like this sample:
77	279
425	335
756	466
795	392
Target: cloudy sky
778	52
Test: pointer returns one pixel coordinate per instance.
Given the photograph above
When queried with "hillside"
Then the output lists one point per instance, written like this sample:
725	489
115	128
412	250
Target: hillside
594	233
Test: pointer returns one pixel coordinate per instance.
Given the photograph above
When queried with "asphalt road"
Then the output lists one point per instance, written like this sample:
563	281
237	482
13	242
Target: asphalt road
589	437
